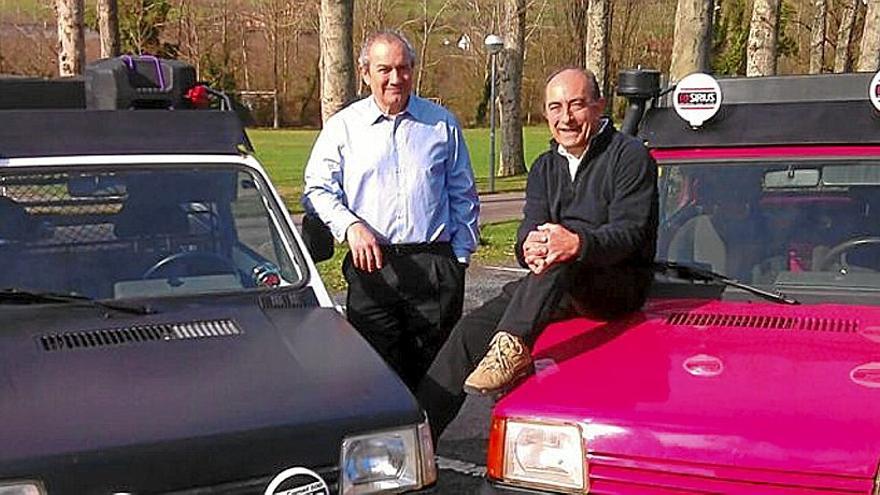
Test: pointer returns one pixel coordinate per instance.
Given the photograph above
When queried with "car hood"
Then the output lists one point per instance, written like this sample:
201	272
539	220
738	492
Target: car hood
280	389
739	384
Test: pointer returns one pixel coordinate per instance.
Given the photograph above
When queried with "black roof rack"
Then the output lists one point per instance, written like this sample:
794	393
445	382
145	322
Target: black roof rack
32	93
830	109
39	133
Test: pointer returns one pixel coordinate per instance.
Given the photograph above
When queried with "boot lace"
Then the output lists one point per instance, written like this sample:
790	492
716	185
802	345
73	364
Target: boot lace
499	355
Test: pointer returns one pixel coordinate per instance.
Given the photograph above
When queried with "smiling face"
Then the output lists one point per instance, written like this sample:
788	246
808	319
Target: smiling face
389	74
572	111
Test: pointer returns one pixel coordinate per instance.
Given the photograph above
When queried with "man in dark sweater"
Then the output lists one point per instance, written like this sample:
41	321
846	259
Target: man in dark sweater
587	237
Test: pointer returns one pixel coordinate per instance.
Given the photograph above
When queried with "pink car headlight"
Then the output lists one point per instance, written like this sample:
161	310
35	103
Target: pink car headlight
538	454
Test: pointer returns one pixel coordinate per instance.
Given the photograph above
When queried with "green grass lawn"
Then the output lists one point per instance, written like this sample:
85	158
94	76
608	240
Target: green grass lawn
284	154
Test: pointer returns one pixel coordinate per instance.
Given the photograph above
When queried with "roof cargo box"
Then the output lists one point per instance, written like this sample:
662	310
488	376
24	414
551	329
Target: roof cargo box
138	82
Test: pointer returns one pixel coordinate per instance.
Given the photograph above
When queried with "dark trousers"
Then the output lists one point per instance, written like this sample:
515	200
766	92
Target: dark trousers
524	308
407	309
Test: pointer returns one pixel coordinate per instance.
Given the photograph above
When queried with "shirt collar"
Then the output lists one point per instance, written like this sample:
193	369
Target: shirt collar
568	156
375	114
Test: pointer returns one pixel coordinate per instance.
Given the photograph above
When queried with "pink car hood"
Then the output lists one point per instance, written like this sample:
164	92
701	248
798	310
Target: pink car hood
752	385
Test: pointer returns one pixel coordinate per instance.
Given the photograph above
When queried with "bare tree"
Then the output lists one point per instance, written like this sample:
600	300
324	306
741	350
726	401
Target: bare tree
510	72
843	52
337	64
108	27
869	51
599	40
763	38
71	38
817	36
429	24
693	38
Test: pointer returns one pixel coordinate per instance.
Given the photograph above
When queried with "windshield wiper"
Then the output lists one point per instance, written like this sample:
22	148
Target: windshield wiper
690	272
27	297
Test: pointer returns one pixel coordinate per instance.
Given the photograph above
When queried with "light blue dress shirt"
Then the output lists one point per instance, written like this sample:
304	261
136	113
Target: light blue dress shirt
407	176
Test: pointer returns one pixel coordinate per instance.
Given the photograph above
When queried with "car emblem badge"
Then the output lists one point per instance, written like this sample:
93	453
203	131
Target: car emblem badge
703	365
866	375
874	91
297	481
697	98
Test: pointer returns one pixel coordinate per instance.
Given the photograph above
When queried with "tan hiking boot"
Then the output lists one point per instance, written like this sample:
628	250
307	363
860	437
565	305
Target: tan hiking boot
505	363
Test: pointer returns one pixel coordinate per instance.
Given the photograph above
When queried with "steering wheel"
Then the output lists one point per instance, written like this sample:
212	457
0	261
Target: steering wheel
836	253
203	262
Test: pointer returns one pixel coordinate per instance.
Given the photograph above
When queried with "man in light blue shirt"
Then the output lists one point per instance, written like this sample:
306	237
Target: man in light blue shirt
391	175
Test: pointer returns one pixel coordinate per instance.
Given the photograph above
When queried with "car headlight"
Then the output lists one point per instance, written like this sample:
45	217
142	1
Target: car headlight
26	487
394	460
537	454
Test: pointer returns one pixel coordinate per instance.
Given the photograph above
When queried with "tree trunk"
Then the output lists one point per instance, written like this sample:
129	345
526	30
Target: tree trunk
71	40
817	36
692	41
244	59
763	34
598	40
276	39
869	52
842	59
510	71
576	12
337	60
108	27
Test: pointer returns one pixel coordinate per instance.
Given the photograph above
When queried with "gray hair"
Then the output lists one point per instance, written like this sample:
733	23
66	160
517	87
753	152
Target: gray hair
592	81
387	35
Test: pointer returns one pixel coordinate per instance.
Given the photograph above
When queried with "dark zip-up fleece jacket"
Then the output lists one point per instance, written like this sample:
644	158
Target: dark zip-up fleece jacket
611	204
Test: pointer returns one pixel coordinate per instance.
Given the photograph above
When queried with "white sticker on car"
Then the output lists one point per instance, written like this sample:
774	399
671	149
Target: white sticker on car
297	481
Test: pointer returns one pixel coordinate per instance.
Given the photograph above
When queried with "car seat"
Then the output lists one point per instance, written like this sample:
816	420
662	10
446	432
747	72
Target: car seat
698	241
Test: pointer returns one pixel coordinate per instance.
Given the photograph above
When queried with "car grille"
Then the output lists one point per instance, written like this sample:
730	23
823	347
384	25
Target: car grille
257	486
626	475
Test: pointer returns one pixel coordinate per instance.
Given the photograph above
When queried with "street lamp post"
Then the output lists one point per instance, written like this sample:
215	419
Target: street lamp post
494	44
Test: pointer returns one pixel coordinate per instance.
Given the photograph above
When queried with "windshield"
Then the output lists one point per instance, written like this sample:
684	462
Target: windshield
135	231
803	223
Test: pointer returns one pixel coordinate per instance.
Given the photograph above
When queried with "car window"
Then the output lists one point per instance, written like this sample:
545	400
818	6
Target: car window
135	231
764	222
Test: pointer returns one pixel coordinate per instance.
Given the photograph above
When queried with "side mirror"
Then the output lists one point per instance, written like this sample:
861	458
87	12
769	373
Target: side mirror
318	238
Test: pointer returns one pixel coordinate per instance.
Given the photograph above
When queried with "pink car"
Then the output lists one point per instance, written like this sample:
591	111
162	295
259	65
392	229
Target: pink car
755	366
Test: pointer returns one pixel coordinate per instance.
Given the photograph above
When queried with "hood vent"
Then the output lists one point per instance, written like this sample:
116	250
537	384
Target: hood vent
289	300
112	337
764	322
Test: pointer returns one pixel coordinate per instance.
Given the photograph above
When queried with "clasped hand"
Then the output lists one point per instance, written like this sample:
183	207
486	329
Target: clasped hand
549	244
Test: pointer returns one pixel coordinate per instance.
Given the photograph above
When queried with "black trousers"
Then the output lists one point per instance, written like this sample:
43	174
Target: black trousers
407	309
524	308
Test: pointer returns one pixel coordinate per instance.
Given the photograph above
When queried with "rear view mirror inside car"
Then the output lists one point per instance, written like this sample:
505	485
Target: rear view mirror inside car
784	179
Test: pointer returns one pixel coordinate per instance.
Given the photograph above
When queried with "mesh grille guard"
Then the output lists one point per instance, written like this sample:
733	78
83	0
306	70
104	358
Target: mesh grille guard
113	337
